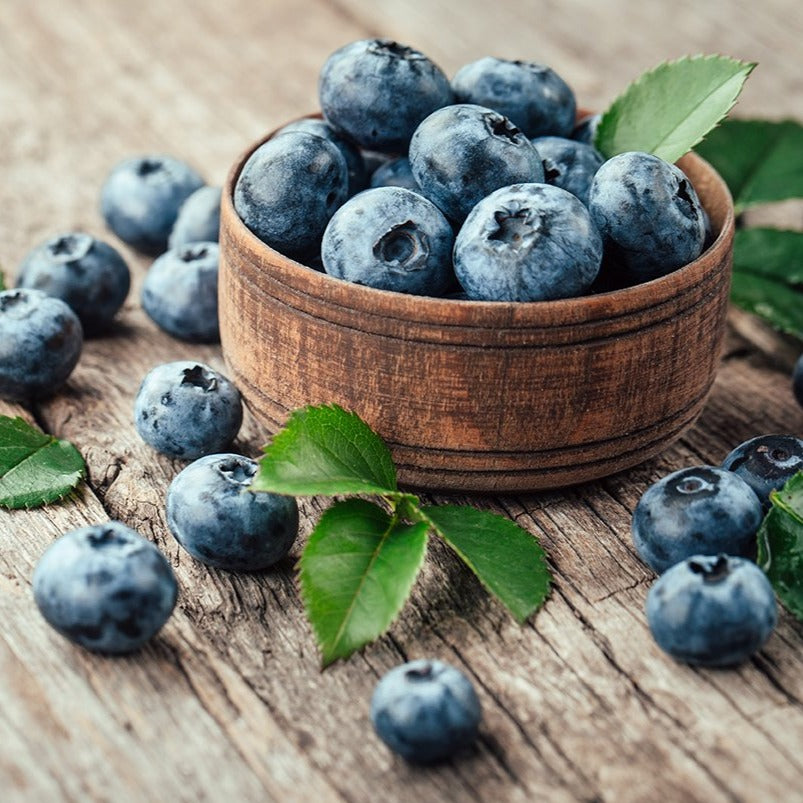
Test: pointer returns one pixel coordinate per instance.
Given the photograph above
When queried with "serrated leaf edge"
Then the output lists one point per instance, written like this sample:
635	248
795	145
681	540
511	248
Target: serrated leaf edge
329	656
47	497
749	66
296	418
542	555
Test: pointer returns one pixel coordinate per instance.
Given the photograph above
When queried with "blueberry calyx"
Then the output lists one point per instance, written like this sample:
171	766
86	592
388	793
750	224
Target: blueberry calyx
389	47
199	377
512	227
104	537
501	127
714	572
11	298
699	481
683	191
238	472
191	253
70	247
148	167
551	173
420	672
401	244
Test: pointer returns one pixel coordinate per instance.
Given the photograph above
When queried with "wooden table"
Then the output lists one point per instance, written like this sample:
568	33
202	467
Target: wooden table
228	702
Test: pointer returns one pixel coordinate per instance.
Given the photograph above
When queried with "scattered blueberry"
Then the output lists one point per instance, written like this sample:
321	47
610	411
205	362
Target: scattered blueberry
377	91
395	173
212	514
86	273
180	292
648	213
698	510
568	164
289	188
141	198
460	154
712	610
358	177
186	410
533	97
527	242
392	239
586	129
198	218
766	462
425	710
40	343
105	587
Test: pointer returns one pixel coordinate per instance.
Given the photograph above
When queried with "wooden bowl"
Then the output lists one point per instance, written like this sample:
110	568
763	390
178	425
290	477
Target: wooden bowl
482	396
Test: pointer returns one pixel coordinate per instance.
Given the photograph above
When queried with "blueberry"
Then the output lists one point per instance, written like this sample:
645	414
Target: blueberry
395	173
186	410
527	242
533	97
377	91
698	510
141	198
392	239
180	292
765	463
86	273
40	343
462	153
288	190
568	164
648	213
713	611
358	177
425	710
585	129
219	522
105	587
198	218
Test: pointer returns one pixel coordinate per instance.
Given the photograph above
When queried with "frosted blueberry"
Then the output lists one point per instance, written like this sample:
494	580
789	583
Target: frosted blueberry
390	238
141	198
377	91
214	516
289	188
105	587
186	410
460	154
712	610
180	292
527	242
425	710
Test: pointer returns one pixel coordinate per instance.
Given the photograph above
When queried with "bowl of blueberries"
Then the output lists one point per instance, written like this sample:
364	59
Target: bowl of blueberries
455	262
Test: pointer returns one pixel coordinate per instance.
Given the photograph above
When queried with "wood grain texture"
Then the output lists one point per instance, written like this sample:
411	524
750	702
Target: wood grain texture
228	701
611	379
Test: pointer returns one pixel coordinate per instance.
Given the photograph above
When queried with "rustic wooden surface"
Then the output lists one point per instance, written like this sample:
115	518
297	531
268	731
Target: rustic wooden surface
228	702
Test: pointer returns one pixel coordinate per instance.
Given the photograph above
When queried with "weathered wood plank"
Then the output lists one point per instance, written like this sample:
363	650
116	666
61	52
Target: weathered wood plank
228	700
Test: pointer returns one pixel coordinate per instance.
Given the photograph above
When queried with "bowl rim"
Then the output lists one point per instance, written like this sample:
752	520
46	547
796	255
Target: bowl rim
463	312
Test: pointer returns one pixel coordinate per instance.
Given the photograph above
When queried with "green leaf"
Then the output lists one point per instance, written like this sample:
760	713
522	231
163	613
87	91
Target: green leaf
780	544
774	253
35	468
326	451
670	108
760	161
768	276
2	280
774	301
356	573
508	560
